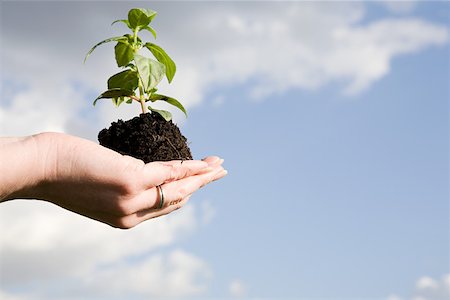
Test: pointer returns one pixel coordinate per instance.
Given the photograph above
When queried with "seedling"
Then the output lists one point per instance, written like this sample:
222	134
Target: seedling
140	73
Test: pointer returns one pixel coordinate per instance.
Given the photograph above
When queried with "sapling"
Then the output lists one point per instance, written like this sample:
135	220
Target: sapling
141	75
151	136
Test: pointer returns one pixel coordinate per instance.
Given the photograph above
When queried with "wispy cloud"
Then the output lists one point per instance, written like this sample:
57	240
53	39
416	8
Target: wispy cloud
428	288
269	48
400	7
237	289
46	244
173	274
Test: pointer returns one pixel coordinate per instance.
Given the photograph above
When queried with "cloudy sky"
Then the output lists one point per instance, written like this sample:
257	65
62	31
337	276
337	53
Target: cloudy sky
333	122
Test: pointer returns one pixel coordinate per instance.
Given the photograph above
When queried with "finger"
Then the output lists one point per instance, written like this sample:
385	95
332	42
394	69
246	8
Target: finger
172	191
220	175
211	160
156	173
215	163
129	221
147	199
144	204
141	216
177	190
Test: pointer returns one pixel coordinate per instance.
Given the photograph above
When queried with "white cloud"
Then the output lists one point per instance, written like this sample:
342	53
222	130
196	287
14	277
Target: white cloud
400	7
278	48
393	297
41	243
237	289
427	283
433	289
8	296
207	211
428	288
176	274
268	47
364	54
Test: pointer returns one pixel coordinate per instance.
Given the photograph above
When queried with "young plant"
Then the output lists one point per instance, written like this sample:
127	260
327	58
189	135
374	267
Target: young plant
139	73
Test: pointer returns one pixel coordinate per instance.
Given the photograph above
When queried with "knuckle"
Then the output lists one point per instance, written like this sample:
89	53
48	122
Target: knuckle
173	172
130	178
122	208
178	171
133	164
123	223
128	184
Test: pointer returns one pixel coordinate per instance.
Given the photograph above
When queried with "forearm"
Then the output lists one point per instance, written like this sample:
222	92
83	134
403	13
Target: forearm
22	166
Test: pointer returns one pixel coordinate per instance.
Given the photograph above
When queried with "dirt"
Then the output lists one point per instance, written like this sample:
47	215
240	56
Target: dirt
148	137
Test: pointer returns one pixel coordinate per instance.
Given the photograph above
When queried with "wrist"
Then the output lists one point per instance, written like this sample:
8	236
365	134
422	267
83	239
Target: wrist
26	163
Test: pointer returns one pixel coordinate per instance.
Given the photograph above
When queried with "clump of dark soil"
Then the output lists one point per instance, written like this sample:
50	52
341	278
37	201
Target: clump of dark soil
148	137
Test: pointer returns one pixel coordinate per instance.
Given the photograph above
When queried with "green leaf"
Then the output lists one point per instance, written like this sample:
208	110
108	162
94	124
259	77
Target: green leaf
151	14
117	101
124	53
148	28
163	58
125	80
150	71
164	113
117	38
113	93
140	17
170	100
122	21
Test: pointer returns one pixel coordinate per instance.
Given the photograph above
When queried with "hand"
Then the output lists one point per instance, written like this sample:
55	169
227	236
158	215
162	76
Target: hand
99	183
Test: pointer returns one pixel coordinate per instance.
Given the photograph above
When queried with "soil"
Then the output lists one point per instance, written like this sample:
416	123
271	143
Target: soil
148	137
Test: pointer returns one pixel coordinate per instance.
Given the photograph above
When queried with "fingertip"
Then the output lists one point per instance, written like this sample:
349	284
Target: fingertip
219	174
211	160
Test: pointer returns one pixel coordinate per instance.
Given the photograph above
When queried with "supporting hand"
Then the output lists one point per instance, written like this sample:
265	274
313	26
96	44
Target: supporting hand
88	179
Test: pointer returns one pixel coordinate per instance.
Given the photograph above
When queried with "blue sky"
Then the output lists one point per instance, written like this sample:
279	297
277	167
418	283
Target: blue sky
337	152
347	194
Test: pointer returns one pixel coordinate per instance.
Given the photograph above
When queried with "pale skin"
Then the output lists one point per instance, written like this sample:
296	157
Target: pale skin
96	182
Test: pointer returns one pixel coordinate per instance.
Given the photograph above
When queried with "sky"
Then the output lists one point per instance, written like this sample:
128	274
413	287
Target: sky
333	120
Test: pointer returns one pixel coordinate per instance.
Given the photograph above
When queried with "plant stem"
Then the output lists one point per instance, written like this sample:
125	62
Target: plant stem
144	109
135	98
141	98
135	36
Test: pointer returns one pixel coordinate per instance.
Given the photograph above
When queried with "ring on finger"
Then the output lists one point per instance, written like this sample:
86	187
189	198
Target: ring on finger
161	197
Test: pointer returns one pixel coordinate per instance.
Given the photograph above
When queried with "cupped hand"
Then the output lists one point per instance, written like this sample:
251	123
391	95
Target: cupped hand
91	180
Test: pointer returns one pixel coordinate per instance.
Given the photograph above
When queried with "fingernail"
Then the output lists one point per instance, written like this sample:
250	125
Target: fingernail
221	174
217	162
212	160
